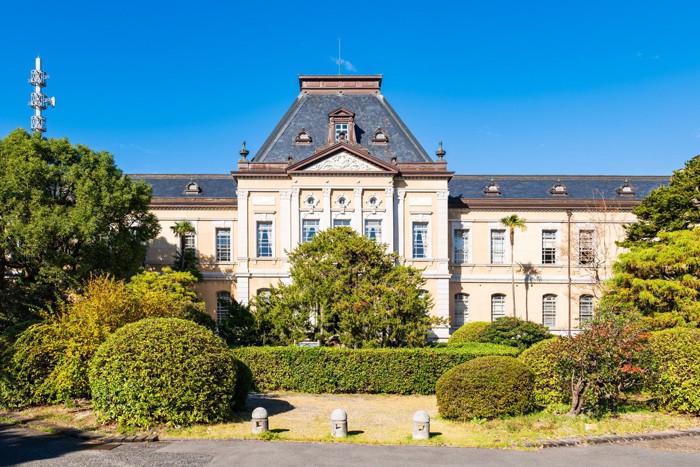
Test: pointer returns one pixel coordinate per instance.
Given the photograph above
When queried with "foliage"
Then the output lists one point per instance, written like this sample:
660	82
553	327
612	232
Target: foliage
668	208
105	305
509	330
676	385
606	359
513	222
238	329
338	370
659	280
541	359
346	285
66	213
468	332
163	370
486	387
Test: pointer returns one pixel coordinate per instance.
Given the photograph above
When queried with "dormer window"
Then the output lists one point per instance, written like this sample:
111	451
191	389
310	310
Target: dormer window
559	189
380	137
492	189
341	126
625	189
303	138
192	188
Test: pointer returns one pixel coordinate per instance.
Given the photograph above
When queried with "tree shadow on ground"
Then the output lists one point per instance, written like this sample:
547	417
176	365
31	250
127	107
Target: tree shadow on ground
273	405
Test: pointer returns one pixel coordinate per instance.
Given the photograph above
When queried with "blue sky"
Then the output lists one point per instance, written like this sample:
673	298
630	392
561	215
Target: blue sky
556	87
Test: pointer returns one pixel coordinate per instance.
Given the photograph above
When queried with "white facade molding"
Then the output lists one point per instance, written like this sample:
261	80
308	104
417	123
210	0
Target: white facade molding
342	162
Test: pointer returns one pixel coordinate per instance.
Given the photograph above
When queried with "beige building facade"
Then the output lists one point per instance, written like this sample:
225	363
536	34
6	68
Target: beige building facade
341	156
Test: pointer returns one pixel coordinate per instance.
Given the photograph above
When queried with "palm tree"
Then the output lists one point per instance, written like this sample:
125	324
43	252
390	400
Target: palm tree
513	222
181	229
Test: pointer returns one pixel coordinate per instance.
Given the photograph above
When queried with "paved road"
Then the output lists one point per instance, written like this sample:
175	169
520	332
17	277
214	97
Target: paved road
19	446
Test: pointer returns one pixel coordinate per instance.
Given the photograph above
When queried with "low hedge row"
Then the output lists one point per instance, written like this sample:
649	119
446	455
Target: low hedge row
333	370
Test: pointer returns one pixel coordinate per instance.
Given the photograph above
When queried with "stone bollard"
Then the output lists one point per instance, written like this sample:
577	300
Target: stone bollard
421	425
260	423
339	423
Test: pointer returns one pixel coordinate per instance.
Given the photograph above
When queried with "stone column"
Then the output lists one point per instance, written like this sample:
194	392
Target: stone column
285	225
295	218
389	221
243	275
326	221
356	221
400	224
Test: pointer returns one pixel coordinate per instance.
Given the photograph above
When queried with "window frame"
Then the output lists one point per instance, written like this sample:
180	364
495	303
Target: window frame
225	249
498	300
269	246
305	234
493	251
586	247
424	244
378	233
589	303
190	243
221	311
549	310
461	256
461	298
549	246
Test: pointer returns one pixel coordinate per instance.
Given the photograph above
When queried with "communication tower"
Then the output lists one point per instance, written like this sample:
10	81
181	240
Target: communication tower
39	101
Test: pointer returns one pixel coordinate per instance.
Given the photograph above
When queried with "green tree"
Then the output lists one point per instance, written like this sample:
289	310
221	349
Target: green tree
66	212
668	208
185	260
659	280
346	285
513	222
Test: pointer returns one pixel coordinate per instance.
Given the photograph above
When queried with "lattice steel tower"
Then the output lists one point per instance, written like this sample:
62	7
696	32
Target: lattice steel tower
39	101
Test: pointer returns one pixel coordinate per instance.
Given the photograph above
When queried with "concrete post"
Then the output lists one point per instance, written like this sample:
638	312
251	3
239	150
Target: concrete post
339	423
260	422
421	425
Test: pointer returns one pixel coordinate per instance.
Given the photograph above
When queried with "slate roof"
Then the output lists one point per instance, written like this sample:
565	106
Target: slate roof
310	111
173	186
537	186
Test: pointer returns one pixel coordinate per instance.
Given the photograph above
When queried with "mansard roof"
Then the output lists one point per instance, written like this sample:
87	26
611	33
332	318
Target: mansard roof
310	111
539	187
172	189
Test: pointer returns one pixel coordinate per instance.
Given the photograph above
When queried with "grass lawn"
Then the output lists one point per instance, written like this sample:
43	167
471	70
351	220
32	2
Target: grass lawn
385	419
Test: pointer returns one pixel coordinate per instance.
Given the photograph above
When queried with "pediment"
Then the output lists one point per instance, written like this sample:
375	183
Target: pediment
342	112
343	158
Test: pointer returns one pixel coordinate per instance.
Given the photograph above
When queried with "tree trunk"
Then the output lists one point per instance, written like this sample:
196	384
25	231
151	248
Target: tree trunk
182	252
577	388
512	267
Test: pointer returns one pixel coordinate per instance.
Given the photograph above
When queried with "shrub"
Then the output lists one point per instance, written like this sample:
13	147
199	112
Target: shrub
469	332
676	354
238	329
334	370
515	332
541	359
163	370
486	387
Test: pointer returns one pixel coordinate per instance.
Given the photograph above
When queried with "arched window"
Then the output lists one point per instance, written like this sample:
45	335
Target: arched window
461	309
585	309
498	306
549	310
264	294
223	300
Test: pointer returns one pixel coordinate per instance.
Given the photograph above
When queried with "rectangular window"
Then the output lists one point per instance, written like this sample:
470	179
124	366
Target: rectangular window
373	230
460	240
309	228
549	310
223	300
341	128
420	240
498	306
549	247
585	247
223	244
585	309
498	246
341	222
461	309
264	239
190	245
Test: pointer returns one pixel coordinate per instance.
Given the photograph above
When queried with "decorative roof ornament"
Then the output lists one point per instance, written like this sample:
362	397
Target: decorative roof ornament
559	189
441	152
625	189
492	189
243	152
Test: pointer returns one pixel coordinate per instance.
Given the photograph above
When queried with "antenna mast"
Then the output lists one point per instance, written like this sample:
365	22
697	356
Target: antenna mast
340	61
39	101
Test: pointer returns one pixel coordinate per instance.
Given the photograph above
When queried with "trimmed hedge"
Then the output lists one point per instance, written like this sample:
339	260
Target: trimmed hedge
164	370
486	387
469	332
676	354
541	359
510	330
333	370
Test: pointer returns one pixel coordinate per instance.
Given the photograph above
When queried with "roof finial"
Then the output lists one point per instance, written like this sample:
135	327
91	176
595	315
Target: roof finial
243	152
440	152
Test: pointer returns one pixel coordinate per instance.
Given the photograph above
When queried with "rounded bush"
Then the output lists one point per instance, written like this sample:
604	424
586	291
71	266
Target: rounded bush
486	387
540	360
676	354
515	332
469	332
163	370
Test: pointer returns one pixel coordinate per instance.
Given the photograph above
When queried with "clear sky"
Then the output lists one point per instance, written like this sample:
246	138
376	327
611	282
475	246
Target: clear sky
510	87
